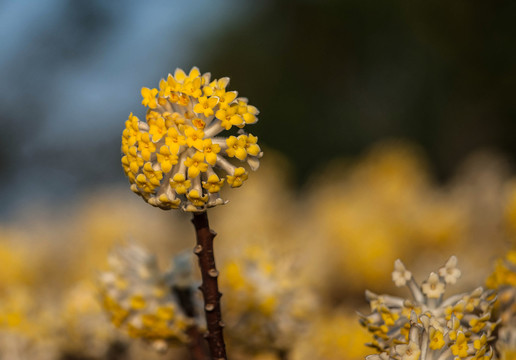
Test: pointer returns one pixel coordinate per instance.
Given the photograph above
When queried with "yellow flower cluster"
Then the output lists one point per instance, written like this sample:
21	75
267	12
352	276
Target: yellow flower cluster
429	327
171	158
138	300
267	308
503	280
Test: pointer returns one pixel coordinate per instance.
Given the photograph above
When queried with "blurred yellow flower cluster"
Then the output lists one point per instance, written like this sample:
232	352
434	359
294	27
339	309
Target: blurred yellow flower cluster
367	213
267	303
503	280
333	335
171	158
138	298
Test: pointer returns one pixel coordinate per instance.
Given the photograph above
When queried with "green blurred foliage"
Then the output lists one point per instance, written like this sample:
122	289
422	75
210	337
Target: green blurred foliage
332	77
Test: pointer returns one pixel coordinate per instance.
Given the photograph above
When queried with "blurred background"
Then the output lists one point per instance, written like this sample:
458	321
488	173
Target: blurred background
330	78
388	129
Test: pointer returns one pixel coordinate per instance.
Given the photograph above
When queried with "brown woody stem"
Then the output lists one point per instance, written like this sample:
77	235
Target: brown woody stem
209	287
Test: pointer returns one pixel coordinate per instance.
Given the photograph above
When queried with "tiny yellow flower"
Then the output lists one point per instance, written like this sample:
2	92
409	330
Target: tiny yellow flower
199	123
174	141
225	98
180	184
228	117
166	158
193	87
153	176
236	147
213	184
146	147
196	164
251	146
180	75
158	129
210	151
480	343
164	89
238	178
460	348
215	85
172	203
194	138
248	112
206	105
436	339
149	97
195	197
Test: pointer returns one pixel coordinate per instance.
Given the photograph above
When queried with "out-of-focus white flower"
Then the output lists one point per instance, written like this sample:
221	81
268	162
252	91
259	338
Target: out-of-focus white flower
410	351
433	288
139	300
449	271
400	275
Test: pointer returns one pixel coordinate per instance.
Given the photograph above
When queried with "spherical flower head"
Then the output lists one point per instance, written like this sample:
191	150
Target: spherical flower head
429	326
139	301
180	157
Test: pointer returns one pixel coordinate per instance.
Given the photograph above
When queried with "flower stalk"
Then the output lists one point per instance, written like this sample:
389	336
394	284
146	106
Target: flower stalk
209	287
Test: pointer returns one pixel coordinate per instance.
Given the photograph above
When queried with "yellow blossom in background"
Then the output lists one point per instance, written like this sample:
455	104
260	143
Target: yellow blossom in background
378	208
503	280
139	301
267	306
333	336
170	157
87	330
25	331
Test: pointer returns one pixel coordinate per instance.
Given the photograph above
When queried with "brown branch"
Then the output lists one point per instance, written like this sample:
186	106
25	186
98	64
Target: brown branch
209	287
